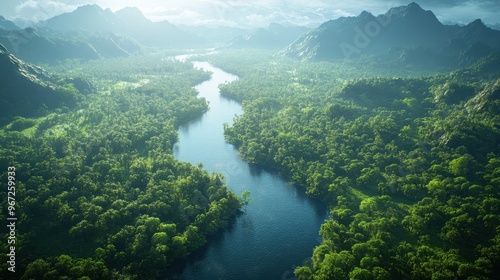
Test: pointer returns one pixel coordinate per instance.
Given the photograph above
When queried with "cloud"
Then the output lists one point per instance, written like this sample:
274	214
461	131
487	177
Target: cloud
260	20
461	3
173	14
464	11
260	12
314	12
41	10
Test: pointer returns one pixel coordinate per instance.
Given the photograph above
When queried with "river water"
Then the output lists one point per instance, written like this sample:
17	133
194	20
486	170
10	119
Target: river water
280	226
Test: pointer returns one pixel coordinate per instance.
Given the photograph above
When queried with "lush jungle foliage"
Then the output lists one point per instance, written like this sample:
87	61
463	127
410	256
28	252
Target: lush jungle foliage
409	166
99	193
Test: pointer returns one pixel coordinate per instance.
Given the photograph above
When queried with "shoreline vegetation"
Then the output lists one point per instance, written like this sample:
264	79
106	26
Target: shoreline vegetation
100	194
407	165
392	120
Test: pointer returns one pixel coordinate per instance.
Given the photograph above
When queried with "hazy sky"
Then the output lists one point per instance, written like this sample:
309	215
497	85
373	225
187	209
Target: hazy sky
255	12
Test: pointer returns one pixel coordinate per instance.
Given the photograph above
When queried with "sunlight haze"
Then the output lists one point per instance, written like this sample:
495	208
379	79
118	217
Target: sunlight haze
250	140
255	13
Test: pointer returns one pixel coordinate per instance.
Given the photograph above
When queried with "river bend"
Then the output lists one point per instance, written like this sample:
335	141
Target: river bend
280	226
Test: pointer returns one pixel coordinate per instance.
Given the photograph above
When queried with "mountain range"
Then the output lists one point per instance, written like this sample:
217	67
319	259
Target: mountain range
42	46
129	22
274	36
216	36
406	34
89	32
7	24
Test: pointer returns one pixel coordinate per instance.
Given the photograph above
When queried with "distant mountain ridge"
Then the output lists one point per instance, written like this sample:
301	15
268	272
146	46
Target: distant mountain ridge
88	18
41	46
274	36
406	33
7	24
128	21
215	35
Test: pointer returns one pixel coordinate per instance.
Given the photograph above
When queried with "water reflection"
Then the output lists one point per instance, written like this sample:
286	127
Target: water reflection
280	226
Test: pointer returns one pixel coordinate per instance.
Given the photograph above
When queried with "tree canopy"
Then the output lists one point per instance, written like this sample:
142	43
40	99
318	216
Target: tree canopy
408	165
101	195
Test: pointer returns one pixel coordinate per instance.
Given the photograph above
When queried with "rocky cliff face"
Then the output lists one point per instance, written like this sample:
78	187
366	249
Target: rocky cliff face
23	88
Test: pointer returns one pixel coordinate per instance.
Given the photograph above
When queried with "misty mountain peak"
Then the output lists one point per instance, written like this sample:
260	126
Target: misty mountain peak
132	15
87	18
130	11
366	15
409	29
7	24
414	6
478	23
275	25
476	30
90	8
412	11
129	21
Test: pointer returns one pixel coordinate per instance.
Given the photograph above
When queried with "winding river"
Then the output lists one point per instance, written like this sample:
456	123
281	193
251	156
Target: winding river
280	226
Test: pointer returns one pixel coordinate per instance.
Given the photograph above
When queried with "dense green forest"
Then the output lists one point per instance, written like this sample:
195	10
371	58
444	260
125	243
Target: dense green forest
407	161
386	114
409	166
99	194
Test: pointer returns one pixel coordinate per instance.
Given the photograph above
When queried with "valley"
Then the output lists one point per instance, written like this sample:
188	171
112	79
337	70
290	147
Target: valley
366	147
